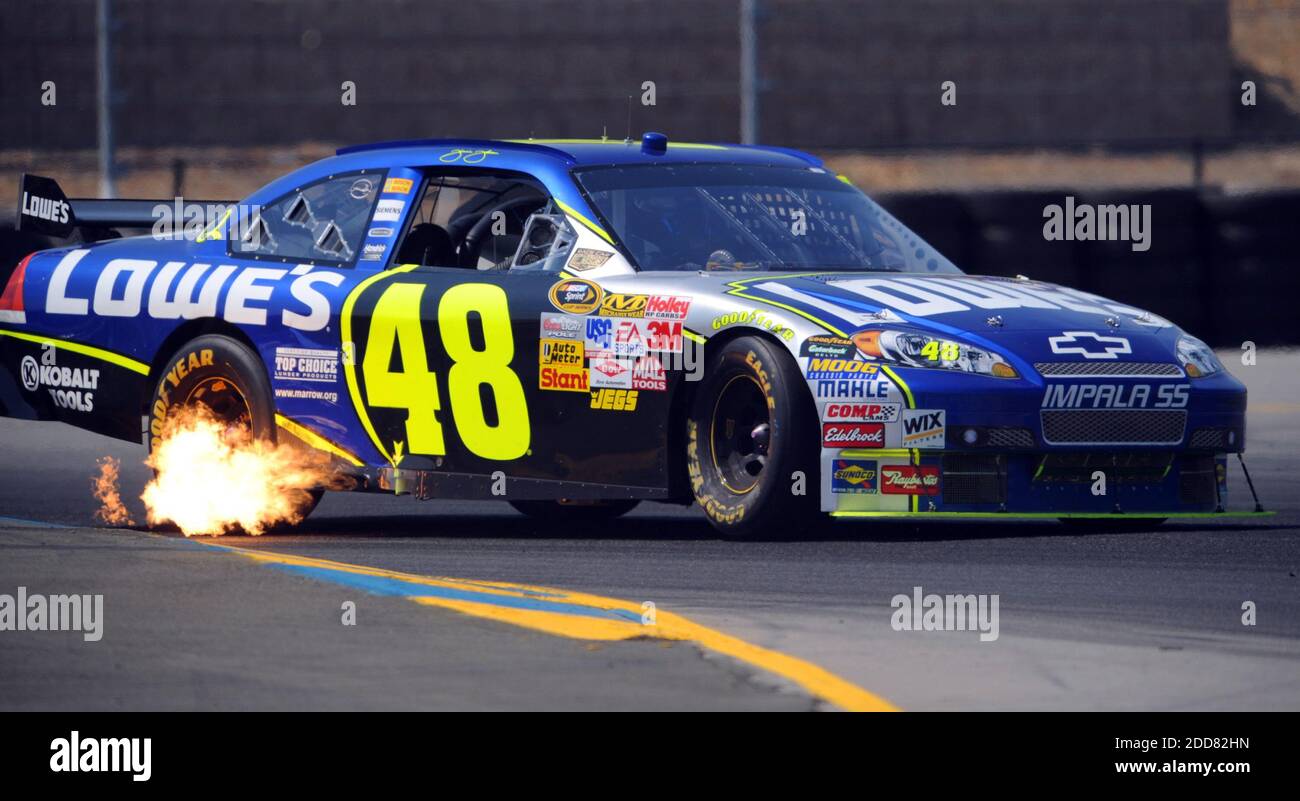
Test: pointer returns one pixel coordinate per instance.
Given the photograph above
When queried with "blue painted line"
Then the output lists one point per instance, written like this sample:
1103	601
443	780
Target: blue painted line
385	585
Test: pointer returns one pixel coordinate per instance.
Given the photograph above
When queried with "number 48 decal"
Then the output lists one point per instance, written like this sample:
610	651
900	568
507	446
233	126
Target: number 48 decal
396	322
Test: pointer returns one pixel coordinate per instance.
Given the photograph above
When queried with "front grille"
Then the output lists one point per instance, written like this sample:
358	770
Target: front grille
1197	483
1209	439
1108	369
1114	426
1006	437
974	478
1135	467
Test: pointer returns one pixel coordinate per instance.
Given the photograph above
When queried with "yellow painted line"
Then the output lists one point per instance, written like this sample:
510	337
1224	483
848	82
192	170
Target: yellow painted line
315	440
692	336
85	350
577	215
590	617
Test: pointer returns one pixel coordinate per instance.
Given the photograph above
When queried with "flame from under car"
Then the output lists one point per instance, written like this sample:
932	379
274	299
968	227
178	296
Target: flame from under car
214	478
111	509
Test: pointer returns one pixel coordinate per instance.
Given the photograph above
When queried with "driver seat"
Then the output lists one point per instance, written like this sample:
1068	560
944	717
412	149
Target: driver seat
427	244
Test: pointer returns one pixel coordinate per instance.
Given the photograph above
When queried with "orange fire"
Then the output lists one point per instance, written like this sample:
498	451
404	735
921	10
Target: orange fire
111	509
212	478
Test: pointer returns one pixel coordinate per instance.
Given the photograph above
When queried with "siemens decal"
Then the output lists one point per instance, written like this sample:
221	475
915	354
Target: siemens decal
180	290
1115	396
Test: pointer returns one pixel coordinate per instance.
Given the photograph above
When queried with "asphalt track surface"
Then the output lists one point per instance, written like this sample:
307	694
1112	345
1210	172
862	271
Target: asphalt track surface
1139	620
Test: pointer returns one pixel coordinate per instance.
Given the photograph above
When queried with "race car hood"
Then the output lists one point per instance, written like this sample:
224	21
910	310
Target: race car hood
1016	315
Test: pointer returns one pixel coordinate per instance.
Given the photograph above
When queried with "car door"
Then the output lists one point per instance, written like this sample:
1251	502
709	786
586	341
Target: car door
472	372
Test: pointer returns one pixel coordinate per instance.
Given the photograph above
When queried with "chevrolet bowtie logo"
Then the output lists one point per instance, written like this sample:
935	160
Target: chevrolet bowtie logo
1089	345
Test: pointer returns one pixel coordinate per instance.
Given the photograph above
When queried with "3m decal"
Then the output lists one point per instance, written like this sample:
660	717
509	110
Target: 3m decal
909	480
395	369
306	364
923	428
576	296
854	476
853	435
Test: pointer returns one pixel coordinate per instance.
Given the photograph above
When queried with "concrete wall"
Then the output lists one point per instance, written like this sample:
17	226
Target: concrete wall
837	73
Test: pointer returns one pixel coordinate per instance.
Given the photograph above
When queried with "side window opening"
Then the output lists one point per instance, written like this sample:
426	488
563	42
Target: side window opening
478	220
321	222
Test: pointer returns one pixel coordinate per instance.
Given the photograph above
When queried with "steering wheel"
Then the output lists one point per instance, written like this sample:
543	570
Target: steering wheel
473	239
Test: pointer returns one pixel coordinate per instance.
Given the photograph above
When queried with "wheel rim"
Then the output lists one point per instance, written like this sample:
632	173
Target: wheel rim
224	399
741	434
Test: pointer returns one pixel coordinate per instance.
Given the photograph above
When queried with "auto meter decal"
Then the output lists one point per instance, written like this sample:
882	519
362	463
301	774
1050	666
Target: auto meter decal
576	296
896	479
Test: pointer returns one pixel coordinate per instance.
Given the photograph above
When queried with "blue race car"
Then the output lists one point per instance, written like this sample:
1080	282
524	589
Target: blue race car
577	326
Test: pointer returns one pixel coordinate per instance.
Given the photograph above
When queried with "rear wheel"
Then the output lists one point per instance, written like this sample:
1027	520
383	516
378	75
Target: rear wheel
751	445
224	377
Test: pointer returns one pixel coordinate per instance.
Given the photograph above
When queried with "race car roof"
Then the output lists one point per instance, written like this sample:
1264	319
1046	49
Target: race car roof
550	160
594	152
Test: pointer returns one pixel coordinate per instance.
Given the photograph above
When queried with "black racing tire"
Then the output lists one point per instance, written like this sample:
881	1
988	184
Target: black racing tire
222	374
574	512
752	430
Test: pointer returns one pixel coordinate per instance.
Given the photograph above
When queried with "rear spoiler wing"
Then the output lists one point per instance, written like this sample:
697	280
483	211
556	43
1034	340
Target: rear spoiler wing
43	208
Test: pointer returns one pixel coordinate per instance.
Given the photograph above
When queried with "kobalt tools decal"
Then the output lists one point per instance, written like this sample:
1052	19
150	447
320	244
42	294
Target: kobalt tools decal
69	387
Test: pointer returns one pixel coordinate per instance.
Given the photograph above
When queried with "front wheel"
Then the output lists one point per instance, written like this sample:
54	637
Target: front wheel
751	443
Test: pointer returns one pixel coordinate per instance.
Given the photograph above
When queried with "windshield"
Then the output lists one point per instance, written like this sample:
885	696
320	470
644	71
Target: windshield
730	217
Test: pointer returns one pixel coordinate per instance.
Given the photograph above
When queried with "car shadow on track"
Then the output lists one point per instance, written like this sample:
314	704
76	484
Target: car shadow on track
683	527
